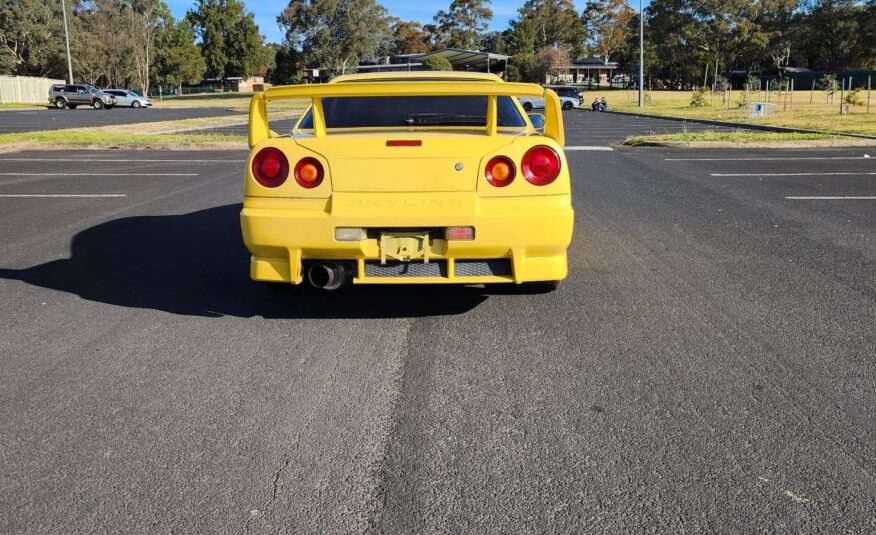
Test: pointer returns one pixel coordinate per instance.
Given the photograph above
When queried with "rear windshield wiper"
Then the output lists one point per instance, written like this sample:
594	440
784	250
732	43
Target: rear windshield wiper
448	119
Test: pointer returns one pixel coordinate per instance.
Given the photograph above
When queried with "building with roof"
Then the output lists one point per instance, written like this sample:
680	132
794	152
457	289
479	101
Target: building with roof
585	71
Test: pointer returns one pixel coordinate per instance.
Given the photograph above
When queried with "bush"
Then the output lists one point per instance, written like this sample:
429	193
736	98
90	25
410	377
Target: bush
853	97
753	83
828	82
436	63
698	99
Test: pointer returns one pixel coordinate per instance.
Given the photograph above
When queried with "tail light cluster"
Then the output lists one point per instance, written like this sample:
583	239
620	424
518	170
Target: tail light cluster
540	166
270	168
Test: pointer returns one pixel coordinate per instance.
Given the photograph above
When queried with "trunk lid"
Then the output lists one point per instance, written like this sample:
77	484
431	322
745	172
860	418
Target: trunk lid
444	161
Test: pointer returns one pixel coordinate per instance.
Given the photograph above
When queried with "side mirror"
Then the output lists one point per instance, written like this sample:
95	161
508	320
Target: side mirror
537	120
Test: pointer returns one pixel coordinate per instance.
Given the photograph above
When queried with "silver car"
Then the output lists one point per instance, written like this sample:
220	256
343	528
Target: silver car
129	98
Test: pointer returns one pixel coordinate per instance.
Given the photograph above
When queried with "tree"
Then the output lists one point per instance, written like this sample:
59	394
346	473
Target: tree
555	23
230	39
522	68
334	34
463	24
608	25
286	65
145	16
549	61
521	36
832	34
409	37
32	38
101	43
436	63
494	42
177	59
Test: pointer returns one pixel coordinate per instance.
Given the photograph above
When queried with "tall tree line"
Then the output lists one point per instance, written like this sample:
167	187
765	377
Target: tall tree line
131	43
687	41
699	41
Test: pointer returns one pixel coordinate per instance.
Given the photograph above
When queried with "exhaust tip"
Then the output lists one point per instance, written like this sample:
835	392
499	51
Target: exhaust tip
329	275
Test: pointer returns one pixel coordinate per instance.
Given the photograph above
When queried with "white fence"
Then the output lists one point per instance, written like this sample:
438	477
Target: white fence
25	90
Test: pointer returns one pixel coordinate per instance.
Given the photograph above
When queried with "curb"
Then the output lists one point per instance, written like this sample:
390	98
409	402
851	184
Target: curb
742	126
815	143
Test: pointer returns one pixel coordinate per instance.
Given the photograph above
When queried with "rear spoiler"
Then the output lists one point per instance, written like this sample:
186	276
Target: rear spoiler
258	114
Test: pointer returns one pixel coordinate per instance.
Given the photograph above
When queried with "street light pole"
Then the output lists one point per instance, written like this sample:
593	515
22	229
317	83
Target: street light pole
67	41
641	55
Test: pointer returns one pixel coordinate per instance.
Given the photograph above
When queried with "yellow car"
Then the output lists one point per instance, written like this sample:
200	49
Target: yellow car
397	178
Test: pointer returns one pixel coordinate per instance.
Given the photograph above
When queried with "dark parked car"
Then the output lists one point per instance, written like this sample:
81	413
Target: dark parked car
568	91
70	96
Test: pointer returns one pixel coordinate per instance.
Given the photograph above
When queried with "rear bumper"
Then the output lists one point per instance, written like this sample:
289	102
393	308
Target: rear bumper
528	234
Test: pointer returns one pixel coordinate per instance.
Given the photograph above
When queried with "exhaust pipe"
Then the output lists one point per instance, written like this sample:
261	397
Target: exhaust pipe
329	275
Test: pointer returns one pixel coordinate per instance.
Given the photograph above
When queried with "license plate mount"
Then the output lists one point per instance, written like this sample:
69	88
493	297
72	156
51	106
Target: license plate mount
405	246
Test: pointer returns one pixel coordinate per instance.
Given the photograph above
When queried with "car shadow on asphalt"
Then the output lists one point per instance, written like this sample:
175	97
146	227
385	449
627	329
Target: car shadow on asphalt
196	264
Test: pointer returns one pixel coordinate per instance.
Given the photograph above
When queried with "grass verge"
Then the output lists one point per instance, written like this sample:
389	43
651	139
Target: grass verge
78	137
806	110
737	136
230	101
18	106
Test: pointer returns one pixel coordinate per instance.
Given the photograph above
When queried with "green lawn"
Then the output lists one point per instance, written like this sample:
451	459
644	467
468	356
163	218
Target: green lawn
738	136
234	101
19	106
792	112
81	137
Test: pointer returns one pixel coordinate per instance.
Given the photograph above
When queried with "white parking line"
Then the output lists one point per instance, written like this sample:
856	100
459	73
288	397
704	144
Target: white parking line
788	158
588	147
792	174
65	195
98	174
831	198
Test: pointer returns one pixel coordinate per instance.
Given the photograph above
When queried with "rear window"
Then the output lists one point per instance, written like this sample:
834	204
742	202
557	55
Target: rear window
382	112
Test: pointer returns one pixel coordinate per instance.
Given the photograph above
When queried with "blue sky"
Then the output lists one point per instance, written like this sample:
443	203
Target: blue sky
266	11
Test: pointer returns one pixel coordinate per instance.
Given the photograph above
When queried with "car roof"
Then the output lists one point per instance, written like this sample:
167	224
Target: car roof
418	76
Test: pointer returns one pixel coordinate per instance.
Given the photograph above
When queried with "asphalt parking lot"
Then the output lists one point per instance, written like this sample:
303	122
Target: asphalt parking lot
610	128
707	367
581	127
32	120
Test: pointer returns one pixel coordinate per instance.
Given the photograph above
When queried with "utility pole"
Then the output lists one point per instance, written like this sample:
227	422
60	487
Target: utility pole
67	41
641	55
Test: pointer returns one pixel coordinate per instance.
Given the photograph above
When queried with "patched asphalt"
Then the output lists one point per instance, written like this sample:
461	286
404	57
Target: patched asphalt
708	366
32	120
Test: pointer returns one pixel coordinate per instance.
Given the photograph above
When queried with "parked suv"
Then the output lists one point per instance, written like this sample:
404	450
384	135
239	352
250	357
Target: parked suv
128	98
71	95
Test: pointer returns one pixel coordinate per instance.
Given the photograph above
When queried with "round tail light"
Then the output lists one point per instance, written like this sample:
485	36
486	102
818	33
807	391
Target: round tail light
540	165
270	168
500	171
309	173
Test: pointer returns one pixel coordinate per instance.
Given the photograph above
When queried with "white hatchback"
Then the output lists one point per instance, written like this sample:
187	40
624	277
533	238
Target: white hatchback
129	98
530	103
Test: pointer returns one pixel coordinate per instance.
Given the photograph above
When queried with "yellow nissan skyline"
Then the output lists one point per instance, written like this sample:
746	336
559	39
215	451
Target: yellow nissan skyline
409	178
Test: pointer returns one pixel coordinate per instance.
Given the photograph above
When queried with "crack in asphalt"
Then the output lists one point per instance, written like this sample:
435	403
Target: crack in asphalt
287	456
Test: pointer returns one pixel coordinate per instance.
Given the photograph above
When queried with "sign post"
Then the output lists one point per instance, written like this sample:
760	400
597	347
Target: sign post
641	55
67	41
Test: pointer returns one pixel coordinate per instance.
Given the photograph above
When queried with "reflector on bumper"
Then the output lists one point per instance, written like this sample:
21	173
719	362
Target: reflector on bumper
350	234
